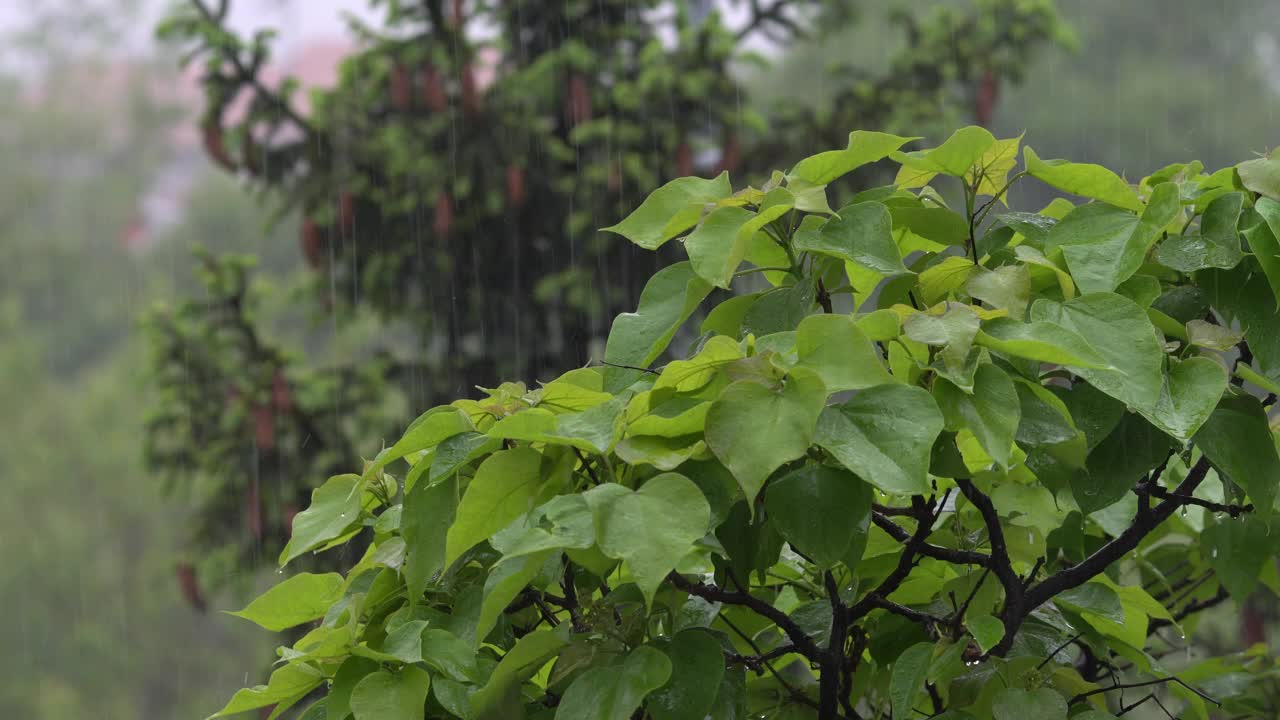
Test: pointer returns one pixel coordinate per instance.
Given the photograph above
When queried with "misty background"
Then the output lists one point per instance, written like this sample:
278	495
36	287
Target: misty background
104	190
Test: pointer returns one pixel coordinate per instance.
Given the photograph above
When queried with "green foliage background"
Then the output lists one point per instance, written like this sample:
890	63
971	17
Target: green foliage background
73	370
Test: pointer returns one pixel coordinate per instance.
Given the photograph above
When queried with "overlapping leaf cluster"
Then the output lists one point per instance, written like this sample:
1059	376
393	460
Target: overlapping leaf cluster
452	179
959	462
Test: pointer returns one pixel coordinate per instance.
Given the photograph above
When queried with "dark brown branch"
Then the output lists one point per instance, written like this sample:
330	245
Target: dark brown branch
1143	523
791	689
955	557
957	620
1148	683
1232	510
804	644
829	682
756	663
926	517
1196	607
1001	565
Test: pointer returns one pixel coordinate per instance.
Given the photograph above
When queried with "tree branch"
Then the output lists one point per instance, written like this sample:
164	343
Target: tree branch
1001	565
804	644
953	556
1143	523
1148	683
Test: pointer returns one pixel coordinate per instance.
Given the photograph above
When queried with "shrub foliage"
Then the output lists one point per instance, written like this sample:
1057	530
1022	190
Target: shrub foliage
950	460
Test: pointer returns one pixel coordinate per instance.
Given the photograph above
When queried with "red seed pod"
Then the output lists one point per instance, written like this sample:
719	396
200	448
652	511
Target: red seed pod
346	211
312	247
264	427
731	157
684	160
433	95
400	88
253	511
515	186
443	221
189	585
471	100
615	177
215	148
578	100
281	396
985	98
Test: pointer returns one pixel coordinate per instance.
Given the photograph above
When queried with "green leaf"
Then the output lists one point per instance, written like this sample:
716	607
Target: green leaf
1045	419
652	528
594	430
1007	287
939	281
614	693
986	630
288	684
1121	332
428	430
301	598
1118	462
1105	245
639	338
501	491
454	452
991	413
504	584
954	330
1017	704
1237	440
1261	175
956	156
780	309
835	348
726	318
335	506
1217	244
861	234
932	223
1263	241
391	696
814	508
697	667
1083	179
864	147
449	654
1211	335
995	165
671	210
429	512
754	428
1191	390
1094	598
907	679
499	699
352	671
561	523
1237	549
664	453
1245	299
405	642
884	435
718	245
1041	341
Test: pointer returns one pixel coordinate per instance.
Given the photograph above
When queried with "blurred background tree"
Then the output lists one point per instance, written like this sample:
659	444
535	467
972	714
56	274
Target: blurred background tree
470	146
98	626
